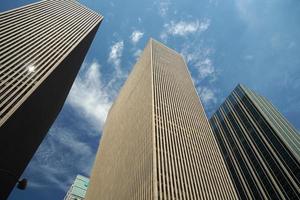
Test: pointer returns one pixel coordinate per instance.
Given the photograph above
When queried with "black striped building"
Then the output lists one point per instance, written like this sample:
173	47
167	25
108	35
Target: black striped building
260	147
42	47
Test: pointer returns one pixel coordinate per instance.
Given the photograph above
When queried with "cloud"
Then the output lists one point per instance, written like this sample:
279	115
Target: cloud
137	53
90	97
136	36
184	28
115	54
66	151
53	169
114	58
199	59
203	71
207	95
163	7
205	68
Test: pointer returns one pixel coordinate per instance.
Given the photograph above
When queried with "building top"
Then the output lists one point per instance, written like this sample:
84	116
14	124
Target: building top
285	130
35	39
259	146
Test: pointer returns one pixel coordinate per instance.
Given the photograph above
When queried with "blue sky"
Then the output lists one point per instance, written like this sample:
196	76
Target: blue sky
254	42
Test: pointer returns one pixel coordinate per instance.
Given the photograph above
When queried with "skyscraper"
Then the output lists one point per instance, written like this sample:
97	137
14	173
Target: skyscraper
78	189
157	142
260	147
42	47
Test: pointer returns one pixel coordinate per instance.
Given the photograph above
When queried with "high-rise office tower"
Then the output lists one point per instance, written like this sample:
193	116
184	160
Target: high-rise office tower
260	147
78	189
157	142
42	47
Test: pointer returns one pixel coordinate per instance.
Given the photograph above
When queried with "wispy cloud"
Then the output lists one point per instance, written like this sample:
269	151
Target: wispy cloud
137	53
184	28
207	95
115	54
199	58
163	7
204	73
136	36
139	19
119	75
205	68
90	97
52	168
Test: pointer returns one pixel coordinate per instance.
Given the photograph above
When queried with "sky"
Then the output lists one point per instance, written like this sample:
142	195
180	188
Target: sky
253	42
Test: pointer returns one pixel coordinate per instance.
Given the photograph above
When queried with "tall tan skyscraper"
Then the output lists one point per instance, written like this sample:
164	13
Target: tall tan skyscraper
157	142
42	47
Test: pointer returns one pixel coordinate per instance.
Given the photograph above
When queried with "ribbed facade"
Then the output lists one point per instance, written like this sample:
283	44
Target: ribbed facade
260	147
157	142
34	39
42	46
123	168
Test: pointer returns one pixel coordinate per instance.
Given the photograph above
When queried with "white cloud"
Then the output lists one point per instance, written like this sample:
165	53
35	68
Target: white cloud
115	54
207	95
205	68
90	97
198	58
52	168
114	58
163	7
136	36
137	53
184	28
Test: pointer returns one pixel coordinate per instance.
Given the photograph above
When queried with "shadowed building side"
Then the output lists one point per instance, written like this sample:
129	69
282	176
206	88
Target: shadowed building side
260	147
157	142
41	54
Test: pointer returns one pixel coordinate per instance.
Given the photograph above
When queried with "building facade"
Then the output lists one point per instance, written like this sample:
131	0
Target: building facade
42	47
157	142
78	189
260	147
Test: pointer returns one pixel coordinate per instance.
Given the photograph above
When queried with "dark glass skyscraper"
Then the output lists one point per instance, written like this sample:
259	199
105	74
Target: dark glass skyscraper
42	47
260	147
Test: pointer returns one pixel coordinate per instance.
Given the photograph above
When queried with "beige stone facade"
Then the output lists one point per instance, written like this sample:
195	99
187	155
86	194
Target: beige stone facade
157	142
